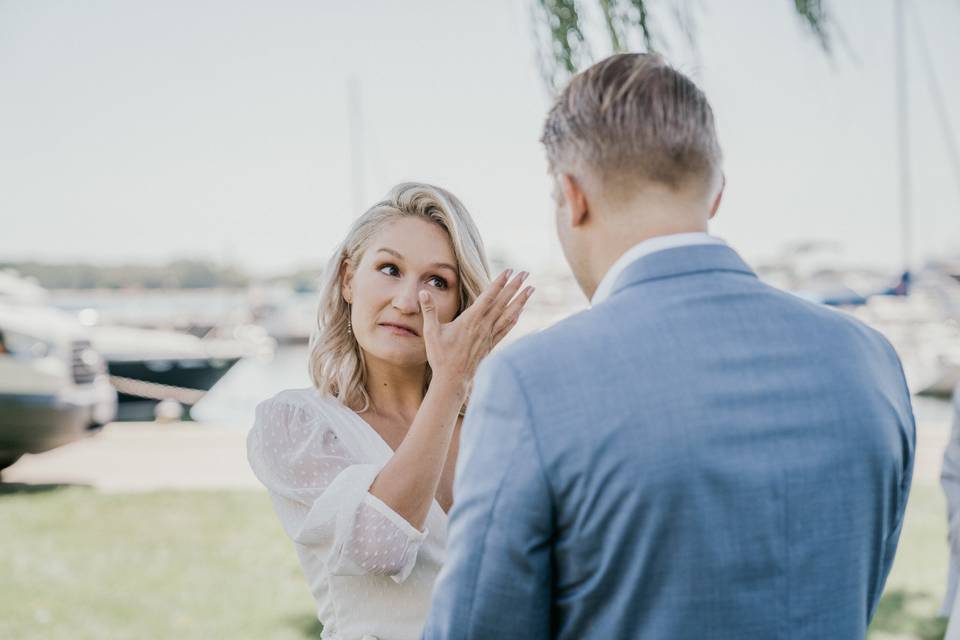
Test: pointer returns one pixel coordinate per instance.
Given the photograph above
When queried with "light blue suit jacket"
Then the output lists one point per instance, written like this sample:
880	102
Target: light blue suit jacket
701	456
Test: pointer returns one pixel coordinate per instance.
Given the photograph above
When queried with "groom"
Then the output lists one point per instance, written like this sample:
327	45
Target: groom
697	456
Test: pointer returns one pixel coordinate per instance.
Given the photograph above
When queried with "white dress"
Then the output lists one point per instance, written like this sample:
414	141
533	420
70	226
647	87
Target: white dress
370	571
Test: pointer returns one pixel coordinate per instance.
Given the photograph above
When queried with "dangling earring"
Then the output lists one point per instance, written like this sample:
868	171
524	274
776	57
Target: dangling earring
349	328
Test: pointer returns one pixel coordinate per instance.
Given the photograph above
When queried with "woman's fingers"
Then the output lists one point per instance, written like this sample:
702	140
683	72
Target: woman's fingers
484	302
506	295
500	335
508	319
429	311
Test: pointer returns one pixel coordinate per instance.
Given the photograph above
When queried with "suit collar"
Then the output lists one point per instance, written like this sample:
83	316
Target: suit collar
646	247
681	261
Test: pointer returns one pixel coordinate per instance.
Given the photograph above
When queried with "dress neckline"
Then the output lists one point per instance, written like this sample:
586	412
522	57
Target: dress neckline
376	434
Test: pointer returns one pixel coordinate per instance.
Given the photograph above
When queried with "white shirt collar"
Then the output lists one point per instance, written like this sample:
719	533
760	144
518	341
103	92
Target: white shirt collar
645	248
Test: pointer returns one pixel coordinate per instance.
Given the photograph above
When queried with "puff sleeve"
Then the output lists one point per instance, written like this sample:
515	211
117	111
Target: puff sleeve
320	492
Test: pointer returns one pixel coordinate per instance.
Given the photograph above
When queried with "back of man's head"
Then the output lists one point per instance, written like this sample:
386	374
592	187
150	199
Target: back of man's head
630	120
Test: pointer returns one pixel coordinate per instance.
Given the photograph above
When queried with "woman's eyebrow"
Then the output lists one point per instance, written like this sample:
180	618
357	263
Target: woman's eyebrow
397	254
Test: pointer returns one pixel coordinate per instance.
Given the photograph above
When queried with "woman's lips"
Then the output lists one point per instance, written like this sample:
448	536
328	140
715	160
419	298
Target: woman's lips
398	331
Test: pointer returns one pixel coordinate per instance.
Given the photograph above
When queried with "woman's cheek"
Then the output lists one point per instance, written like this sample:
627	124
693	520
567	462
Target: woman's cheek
451	313
446	300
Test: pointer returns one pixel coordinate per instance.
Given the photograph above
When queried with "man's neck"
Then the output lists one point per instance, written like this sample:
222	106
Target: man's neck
614	246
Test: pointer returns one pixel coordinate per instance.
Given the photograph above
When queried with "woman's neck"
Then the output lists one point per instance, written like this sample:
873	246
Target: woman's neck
395	392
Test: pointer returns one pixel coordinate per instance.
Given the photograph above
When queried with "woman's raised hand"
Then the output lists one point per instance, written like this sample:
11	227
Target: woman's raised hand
455	349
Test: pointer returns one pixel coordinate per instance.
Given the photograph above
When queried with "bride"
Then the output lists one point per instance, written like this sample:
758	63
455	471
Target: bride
359	467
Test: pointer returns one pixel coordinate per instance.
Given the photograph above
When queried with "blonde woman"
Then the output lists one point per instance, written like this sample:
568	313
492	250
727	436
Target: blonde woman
359	467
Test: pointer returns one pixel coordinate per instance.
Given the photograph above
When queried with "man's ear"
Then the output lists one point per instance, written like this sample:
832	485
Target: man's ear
346	278
574	199
716	201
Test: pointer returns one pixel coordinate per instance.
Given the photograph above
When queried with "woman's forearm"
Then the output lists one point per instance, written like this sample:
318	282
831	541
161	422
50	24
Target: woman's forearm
408	482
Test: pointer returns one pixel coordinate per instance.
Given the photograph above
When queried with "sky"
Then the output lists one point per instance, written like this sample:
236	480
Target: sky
147	131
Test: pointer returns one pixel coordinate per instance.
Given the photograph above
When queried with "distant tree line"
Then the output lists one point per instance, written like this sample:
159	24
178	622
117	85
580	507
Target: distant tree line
178	274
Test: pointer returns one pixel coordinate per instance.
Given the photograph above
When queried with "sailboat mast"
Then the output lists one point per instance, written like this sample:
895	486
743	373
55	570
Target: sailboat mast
903	140
355	114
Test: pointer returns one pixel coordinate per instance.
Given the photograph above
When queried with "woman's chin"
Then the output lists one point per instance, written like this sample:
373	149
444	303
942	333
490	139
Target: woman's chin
400	355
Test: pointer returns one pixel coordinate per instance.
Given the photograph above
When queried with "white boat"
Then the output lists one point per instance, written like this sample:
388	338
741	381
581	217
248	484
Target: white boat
149	366
54	387
924	331
287	315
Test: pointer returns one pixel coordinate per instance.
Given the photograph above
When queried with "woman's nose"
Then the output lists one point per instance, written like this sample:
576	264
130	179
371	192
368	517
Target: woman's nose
405	300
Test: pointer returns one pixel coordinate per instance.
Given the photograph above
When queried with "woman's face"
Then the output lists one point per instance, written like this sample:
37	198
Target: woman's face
403	257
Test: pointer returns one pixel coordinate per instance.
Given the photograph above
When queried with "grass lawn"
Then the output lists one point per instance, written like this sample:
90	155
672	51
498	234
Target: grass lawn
208	565
211	565
917	582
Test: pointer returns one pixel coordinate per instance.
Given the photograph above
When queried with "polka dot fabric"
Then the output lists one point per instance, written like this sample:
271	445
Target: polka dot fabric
369	569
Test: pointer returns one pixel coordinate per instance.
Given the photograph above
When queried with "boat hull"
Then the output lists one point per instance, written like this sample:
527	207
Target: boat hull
142	384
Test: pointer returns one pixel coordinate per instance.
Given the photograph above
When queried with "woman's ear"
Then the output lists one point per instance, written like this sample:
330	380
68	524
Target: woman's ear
346	280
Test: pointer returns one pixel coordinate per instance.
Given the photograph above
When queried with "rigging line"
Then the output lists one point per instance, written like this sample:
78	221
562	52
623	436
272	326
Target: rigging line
949	137
903	134
357	164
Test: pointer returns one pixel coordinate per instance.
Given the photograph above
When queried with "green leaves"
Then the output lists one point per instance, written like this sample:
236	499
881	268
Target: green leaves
562	46
565	29
815	16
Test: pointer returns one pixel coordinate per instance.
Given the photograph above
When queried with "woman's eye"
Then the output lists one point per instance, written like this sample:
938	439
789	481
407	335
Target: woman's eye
388	269
441	283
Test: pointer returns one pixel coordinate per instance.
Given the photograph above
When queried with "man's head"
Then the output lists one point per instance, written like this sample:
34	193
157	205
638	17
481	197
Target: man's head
633	150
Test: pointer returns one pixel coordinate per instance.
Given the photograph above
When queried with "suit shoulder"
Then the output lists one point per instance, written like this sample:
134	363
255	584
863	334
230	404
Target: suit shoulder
840	327
547	338
843	322
551	350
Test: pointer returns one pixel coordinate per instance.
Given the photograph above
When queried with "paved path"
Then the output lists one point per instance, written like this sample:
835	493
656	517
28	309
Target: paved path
144	456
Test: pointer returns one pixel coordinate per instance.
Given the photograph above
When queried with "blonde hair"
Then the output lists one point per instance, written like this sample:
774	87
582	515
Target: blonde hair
632	116
336	363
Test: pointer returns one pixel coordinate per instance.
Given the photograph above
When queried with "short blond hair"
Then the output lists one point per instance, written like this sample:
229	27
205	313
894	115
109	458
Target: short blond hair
632	116
336	363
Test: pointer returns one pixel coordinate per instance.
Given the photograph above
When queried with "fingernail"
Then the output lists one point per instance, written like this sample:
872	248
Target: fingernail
523	276
509	273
